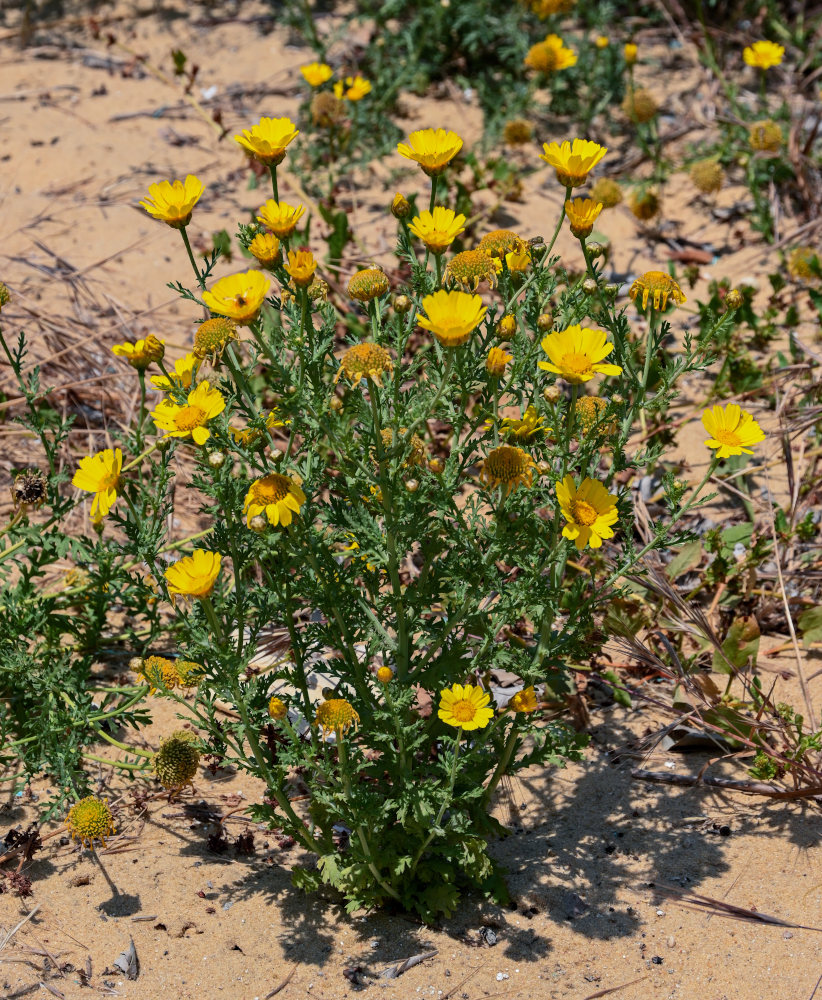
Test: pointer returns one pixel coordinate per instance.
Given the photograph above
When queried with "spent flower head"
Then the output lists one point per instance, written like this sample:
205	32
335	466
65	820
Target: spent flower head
508	467
90	819
470	269
336	715
213	336
177	759
365	360
659	286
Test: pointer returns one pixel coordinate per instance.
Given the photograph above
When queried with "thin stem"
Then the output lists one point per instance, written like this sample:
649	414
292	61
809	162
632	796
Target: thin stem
272	167
200	278
141	417
446	802
504	761
434	180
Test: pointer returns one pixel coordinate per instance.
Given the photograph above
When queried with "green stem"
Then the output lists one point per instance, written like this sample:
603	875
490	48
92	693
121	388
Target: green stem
211	615
272	167
124	765
502	766
141	417
200	278
434	180
446	802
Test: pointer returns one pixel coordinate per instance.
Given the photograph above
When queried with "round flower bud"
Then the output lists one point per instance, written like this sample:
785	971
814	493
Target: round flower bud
412	485
402	305
617	398
596	250
368	284
551	394
734	299
507	327
645	205
90	819
153	349
544	468
177	760
258	523
5	295
640	106
277	709
336	404
385	675
216	459
589	286
545	322
400	207
436	465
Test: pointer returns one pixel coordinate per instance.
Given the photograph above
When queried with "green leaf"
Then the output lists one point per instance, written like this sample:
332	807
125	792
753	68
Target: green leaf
620	692
741	645
810	625
688	558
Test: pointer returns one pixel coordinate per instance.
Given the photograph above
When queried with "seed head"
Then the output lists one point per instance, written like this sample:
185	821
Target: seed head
177	760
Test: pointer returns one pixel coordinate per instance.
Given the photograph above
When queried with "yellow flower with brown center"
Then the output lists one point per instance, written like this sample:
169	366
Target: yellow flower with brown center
213	336
763	55
316	74
582	214
496	361
470	268
804	263
336	715
194	575
276	497
432	149
659	287
368	284
707	176
301	266
365	360
573	161
452	316
465	706
630	52
589	509
645	205
173	202
606	191
141	353
577	354
280	217
238	296
524	701
90	819
640	106
589	411
518	132
437	229
732	431
499	242
266	248
277	708
191	420
529	425
100	474
182	377
267	140
508	467
550	56
159	673
765	136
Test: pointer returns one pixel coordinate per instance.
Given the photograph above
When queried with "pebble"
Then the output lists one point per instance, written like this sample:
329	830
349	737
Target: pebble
671	942
501	976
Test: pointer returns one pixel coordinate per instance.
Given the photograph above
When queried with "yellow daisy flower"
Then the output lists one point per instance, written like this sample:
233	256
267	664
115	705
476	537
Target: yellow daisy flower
524	701
194	575
517	260
267	140
573	161
301	266
527	426
577	353
266	249
248	436
182	377
437	229
316	74
357	88
763	55
100	474
172	202
190	420
465	706
496	361
582	214
238	296
275	496
602	41
141	353
550	56
630	52
732	430
280	217
432	148
365	361
659	286
336	715
589	509
277	708
452	316
508	467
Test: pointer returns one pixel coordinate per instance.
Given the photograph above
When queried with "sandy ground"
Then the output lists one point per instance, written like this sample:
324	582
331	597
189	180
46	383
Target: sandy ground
86	129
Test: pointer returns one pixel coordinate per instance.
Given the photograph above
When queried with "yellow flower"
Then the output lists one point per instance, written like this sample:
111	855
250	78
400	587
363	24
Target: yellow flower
630	52
100	474
545	8
90	819
190	420
267	140
365	361
437	229
159	673
470	268
573	161
141	353
602	41
550	56
194	575
732	430
277	708
400	206
589	509
508	467
181	378
247	436
803	263
432	148
525	700
517	260
496	361
266	248
358	87
707	176
528	425
659	286
385	675
173	201
368	284
499	242
336	715
465	707
316	74
238	296
763	55
606	191
582	214
301	266
452	316
765	136
577	353
280	217
213	336
275	496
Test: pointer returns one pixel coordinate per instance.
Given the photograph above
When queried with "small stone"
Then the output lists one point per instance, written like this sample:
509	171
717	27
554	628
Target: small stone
501	976
671	942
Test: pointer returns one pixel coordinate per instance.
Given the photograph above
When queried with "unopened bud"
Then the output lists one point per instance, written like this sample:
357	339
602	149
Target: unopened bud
400	208
507	327
216	459
258	523
402	304
589	286
545	322
336	404
276	455
734	299
551	394
544	468
617	398
436	465
596	249
412	485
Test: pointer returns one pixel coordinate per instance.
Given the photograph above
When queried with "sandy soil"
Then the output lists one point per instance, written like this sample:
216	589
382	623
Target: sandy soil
86	129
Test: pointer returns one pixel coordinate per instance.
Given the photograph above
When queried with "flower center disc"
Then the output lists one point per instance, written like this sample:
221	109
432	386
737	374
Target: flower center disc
190	417
463	711
580	364
725	436
583	513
